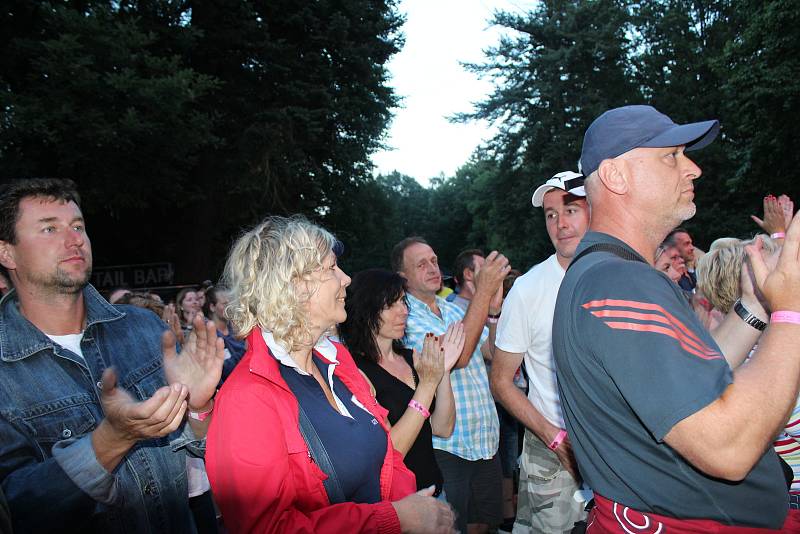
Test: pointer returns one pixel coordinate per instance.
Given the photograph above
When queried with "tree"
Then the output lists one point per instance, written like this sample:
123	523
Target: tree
761	96
91	95
305	100
565	62
207	114
679	42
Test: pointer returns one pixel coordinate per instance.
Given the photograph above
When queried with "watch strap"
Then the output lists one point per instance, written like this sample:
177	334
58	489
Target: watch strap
748	317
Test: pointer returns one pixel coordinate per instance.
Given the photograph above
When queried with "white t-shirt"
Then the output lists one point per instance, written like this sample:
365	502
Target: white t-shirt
526	327
69	341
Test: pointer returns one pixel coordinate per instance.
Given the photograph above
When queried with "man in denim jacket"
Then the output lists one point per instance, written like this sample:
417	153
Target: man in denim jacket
93	397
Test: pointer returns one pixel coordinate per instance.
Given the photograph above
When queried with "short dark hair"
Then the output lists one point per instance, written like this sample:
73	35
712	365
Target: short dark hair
211	298
465	260
399	249
12	193
370	292
670	239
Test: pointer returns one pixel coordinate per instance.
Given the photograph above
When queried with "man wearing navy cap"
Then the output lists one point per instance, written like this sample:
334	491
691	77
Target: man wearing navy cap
668	437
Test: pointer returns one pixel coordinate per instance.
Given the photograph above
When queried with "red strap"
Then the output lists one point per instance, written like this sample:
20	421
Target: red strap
609	517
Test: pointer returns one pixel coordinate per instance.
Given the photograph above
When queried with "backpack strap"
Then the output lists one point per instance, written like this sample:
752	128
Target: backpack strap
613	248
320	455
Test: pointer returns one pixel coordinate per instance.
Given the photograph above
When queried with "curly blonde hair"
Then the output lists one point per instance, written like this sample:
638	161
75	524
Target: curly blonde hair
262	273
719	271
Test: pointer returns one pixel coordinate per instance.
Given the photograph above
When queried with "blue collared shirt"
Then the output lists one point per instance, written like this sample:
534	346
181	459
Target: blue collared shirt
50	404
476	434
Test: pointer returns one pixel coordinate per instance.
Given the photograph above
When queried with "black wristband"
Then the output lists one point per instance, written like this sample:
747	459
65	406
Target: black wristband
494	316
748	317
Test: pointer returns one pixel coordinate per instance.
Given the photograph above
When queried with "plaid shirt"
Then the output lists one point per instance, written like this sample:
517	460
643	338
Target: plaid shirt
476	433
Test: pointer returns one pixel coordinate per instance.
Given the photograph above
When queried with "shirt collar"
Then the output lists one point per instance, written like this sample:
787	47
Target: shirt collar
415	304
19	338
593	237
324	348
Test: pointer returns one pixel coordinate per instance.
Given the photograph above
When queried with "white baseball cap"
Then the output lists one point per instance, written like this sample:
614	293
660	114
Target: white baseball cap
571	182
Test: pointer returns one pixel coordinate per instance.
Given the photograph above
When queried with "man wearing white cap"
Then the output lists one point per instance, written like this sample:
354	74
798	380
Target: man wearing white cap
548	477
668	437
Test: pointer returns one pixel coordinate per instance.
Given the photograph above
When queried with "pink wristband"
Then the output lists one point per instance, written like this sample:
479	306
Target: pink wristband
778	235
201	416
557	440
785	317
420	408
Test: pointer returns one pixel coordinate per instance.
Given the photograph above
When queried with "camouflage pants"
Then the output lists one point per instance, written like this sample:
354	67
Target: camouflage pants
545	502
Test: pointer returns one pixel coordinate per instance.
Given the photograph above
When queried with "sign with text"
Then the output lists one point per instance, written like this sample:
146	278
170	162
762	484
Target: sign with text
133	276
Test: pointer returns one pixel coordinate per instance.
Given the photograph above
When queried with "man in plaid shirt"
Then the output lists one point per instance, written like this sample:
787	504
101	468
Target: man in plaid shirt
468	459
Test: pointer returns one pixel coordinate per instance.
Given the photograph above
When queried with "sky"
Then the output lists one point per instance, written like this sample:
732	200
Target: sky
428	76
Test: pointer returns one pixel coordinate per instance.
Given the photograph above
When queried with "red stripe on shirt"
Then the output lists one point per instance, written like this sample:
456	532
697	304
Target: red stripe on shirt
793	423
688	336
622	314
661	330
643	306
782	451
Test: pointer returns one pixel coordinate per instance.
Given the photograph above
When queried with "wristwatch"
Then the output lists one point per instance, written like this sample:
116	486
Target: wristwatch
748	317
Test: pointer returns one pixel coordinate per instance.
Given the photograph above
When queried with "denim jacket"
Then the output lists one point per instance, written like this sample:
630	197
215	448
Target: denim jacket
49	405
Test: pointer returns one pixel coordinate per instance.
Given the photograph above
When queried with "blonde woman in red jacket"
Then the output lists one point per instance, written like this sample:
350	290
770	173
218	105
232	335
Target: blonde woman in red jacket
286	292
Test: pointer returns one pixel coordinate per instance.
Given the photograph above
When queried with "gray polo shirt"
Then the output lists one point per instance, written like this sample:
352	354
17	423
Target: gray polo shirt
632	361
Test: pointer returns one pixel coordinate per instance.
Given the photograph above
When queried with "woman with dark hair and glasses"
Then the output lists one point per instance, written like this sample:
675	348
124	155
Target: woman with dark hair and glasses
414	388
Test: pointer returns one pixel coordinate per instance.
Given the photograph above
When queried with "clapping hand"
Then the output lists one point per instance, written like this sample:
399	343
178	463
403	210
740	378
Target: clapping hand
134	420
452	342
199	364
780	286
170	316
777	214
489	277
430	363
787	206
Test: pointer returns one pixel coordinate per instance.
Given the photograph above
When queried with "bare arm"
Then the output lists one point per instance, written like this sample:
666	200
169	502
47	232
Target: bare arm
473	326
488	280
407	428
488	348
430	368
726	438
736	338
443	418
504	366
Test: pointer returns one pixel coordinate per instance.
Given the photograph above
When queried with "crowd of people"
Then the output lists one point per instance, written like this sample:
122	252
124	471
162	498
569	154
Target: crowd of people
628	383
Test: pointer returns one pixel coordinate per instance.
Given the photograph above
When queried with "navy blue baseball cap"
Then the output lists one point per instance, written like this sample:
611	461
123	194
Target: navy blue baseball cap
622	129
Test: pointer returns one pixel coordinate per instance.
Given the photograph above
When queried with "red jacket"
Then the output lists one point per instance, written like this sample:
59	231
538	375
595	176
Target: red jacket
259	466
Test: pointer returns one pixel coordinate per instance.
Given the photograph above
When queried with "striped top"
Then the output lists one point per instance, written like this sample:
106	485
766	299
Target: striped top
788	447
